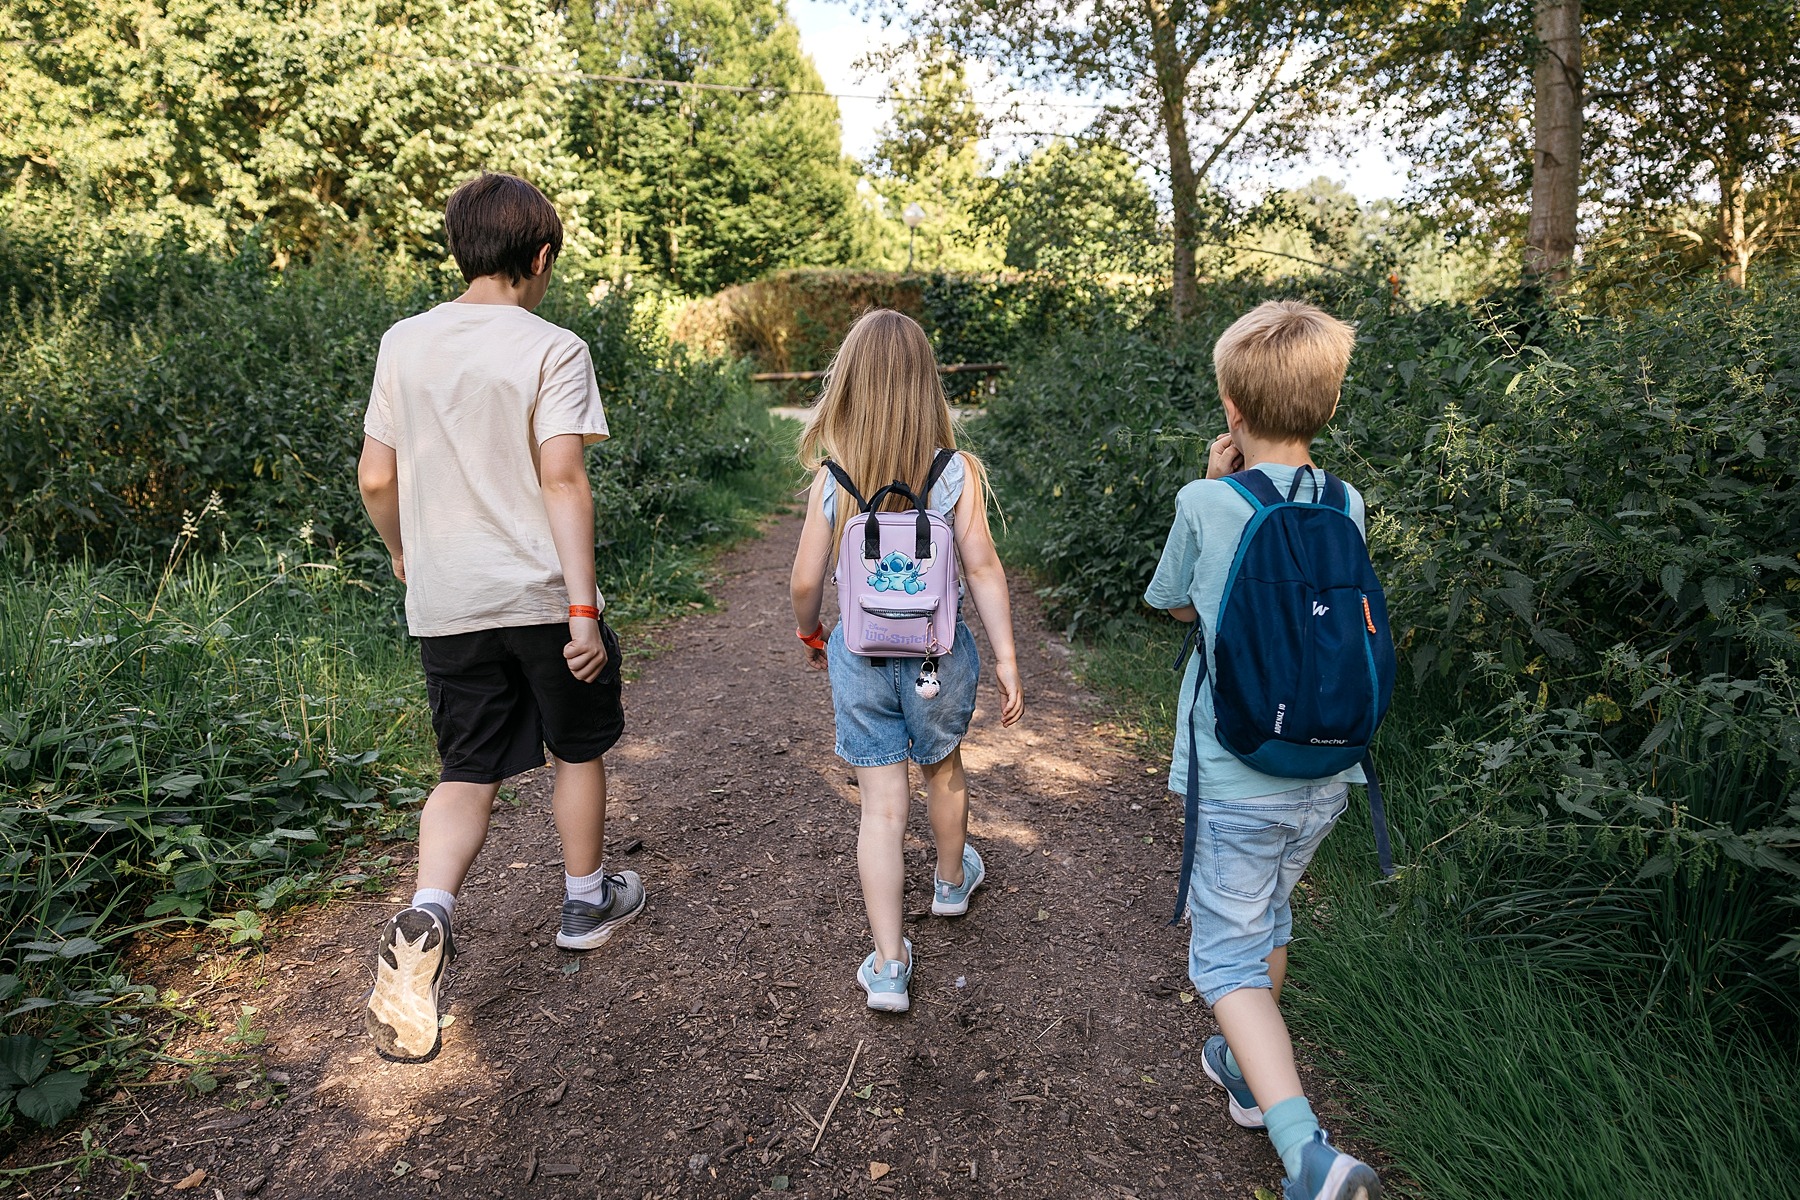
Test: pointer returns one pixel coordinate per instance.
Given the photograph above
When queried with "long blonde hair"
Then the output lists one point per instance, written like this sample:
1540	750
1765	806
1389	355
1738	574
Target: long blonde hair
883	414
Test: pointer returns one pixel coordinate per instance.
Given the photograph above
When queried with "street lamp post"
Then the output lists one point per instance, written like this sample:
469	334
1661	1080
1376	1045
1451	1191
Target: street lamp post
912	216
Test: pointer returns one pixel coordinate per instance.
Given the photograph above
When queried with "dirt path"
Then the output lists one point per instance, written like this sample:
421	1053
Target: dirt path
1050	1050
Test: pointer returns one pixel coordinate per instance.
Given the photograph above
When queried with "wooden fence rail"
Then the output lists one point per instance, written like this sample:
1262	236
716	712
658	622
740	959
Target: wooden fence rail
947	369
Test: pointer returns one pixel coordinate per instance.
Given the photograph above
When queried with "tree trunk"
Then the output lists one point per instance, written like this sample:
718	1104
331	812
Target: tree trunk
1734	244
1184	187
1556	158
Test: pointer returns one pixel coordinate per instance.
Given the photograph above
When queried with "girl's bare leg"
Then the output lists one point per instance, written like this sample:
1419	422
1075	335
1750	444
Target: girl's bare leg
879	855
947	803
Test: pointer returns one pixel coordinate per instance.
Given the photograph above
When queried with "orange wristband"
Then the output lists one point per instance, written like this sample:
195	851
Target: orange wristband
815	639
584	610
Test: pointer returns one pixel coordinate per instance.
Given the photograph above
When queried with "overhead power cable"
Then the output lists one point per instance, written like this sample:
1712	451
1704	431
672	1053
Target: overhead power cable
646	80
696	85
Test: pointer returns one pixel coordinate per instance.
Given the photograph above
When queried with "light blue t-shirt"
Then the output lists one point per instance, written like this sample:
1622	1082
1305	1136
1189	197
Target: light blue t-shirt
944	493
1210	517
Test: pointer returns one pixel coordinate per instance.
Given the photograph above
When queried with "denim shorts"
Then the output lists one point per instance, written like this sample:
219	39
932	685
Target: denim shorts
1248	855
882	719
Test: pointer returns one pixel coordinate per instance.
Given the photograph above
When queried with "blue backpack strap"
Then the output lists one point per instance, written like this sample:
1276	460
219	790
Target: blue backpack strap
1384	852
1191	821
1255	487
1335	494
1294	487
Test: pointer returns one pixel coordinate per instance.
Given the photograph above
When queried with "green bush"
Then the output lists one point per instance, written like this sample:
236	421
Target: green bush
174	375
1586	526
181	746
208	707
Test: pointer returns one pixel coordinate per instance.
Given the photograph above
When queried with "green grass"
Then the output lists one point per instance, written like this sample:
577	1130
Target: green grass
1479	1067
207	741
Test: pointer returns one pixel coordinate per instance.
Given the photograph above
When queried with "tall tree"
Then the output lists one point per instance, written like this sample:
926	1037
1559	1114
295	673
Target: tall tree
1200	81
929	154
1556	149
1705	98
1078	212
349	120
709	186
1628	107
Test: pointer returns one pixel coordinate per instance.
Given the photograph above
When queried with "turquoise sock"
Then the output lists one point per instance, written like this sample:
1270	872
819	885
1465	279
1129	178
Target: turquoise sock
1231	1063
1291	1125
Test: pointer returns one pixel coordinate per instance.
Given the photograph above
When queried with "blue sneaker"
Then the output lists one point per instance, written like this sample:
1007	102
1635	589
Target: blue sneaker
1328	1174
1243	1101
886	983
948	901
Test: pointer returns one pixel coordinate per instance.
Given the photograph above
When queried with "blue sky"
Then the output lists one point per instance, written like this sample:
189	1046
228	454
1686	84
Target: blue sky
835	37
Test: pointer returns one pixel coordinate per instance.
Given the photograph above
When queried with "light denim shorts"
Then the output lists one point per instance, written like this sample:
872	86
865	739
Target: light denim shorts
1248	855
882	719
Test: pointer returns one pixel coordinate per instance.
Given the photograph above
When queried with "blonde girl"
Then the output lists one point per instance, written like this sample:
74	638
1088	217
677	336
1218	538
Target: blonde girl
884	417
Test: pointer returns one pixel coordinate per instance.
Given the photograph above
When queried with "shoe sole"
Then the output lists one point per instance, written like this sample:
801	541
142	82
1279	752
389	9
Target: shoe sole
401	1012
890	1002
602	933
1249	1118
940	909
1349	1179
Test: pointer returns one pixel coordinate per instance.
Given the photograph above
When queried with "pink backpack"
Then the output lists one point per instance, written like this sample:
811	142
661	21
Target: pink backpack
896	572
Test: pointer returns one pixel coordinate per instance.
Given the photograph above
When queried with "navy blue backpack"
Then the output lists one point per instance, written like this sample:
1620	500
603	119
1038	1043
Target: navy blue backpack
1303	661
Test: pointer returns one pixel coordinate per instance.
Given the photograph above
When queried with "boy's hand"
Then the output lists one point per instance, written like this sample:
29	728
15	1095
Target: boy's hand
1224	458
1012	695
400	567
816	659
585	653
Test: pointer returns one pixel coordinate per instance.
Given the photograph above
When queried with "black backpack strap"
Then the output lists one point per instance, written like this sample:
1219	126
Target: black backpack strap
872	530
1384	853
1190	831
939	465
1256	488
843	481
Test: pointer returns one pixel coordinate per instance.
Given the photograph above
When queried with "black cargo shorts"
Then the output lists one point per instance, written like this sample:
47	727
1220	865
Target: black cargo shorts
499	696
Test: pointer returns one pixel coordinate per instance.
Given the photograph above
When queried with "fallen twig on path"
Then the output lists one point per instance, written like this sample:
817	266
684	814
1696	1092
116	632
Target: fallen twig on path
857	1053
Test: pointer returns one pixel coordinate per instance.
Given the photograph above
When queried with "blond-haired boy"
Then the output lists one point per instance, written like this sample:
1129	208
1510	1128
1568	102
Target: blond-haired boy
1280	368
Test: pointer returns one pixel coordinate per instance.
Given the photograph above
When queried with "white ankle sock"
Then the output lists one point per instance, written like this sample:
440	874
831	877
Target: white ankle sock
437	896
590	889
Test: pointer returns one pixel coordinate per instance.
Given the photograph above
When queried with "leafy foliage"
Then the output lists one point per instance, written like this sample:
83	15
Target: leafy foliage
318	123
708	188
1585	525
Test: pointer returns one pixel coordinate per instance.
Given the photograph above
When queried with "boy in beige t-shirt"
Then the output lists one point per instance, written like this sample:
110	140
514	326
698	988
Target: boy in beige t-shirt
473	473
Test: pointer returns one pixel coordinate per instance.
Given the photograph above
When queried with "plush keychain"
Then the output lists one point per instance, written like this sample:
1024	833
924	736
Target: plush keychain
927	682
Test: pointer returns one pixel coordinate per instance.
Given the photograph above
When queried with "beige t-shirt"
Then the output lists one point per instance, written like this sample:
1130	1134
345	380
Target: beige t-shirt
465	394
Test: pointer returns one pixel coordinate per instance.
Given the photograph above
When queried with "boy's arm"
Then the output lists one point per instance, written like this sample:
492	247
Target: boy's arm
1169	588
378	476
806	584
569	503
987	584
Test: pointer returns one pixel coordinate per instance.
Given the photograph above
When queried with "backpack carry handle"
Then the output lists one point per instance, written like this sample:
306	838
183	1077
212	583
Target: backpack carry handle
872	530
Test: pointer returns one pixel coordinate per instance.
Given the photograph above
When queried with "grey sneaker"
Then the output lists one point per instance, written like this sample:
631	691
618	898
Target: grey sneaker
948	901
588	926
401	1013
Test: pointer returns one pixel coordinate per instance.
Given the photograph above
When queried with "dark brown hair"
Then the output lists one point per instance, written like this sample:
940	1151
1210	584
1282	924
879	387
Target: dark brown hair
495	224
